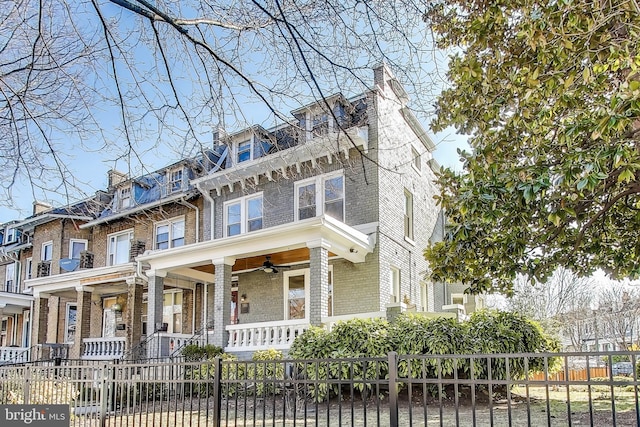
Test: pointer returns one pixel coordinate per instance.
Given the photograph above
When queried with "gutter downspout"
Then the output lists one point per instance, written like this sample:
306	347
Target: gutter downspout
206	194
189	205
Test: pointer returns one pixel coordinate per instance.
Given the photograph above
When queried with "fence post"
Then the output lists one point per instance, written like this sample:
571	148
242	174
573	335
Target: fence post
104	395
27	385
393	389
217	391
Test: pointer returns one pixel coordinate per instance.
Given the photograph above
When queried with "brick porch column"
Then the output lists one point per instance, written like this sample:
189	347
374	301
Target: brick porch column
39	323
154	308
134	312
319	281
222	300
187	311
198	306
83	321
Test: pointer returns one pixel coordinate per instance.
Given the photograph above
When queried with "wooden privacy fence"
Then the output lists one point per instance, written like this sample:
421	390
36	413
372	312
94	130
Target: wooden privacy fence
573	374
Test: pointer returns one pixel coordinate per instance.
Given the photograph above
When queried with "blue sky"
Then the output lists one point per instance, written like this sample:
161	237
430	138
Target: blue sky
89	159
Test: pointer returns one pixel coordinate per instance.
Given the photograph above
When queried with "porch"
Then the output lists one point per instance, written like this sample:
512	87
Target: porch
14	355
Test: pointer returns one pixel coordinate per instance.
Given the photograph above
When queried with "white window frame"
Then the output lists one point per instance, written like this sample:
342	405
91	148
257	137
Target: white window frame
175	185
114	236
408	216
121	192
170	311
72	241
29	272
170	223
285	283
10	277
10	235
67	323
244	213
237	151
330	304
416	159
424	296
319	182
394	285
43	251
459	295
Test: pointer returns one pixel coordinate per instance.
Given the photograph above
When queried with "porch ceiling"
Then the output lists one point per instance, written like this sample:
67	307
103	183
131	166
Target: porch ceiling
288	243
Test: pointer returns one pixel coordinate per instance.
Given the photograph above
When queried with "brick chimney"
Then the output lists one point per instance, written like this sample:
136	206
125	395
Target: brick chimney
115	177
39	207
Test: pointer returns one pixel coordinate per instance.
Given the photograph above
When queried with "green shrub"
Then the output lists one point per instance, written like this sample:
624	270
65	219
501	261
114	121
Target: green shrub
267	372
487	332
492	331
196	353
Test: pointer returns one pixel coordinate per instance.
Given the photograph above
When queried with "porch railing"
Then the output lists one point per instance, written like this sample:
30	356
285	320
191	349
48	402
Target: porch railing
261	336
14	354
103	348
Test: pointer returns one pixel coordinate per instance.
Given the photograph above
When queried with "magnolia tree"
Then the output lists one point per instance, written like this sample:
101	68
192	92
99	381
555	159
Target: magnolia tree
549	93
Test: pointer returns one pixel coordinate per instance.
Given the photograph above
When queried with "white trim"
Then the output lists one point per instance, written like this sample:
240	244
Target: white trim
28	274
319	181
346	242
415	154
66	322
170	181
244	209
170	222
306	273
110	236
72	241
49	243
236	150
395	287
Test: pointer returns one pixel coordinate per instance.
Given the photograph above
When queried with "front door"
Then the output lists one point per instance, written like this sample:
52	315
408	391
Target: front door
296	294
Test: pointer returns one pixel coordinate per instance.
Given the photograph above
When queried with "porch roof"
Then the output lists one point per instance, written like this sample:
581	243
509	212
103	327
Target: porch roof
74	280
339	238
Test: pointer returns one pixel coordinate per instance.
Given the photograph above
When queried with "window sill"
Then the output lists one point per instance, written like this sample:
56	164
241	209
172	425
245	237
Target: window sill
416	169
409	241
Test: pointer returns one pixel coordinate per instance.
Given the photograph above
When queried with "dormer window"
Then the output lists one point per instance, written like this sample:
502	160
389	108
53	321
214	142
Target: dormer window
244	151
320	124
125	198
175	181
9	235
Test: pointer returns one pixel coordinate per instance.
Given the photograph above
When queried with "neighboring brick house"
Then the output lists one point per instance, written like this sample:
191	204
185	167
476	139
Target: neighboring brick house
270	231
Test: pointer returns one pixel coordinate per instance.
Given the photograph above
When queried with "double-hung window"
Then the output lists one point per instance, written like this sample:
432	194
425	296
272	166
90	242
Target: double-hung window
243	215
119	245
175	180
319	195
319	124
416	160
169	234
76	246
408	214
243	151
47	251
125	198
10	278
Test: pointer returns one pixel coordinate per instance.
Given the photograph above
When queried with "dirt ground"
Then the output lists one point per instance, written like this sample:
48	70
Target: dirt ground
354	412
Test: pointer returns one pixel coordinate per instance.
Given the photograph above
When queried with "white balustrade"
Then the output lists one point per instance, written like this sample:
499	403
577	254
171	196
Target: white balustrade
329	322
103	348
262	336
14	354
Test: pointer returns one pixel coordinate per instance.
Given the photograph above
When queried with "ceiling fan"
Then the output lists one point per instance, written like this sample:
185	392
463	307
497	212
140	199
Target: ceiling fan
269	267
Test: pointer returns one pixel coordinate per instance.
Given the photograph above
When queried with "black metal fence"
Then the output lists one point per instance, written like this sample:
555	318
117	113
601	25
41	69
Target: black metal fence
562	389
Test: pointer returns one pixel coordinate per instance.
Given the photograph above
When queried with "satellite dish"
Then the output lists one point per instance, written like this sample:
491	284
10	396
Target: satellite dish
69	264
